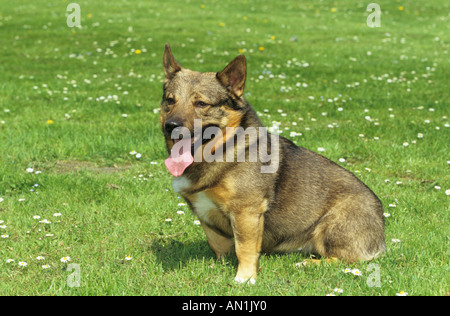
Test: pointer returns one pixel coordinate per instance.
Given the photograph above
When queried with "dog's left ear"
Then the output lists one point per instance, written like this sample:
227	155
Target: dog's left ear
171	66
234	75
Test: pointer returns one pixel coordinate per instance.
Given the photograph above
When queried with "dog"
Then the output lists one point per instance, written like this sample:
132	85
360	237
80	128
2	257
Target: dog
307	203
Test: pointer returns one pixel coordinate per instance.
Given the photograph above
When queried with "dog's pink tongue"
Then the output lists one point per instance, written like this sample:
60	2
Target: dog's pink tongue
179	158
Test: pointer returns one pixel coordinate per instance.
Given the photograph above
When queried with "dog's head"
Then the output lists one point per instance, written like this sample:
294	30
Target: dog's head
214	98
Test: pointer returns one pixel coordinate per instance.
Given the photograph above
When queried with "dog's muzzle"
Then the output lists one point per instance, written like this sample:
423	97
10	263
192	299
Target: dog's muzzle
171	125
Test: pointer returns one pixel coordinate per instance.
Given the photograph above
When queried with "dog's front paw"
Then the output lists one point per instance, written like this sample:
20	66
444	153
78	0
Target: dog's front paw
238	279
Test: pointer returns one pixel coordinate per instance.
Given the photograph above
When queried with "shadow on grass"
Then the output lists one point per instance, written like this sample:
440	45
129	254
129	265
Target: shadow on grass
173	254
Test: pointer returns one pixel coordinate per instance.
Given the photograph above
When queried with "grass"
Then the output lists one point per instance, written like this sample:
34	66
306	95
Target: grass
362	94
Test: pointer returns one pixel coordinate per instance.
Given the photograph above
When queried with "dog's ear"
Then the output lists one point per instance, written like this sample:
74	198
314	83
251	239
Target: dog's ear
171	66
234	75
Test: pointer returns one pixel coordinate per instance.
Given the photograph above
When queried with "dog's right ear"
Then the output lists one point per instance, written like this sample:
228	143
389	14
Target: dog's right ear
171	66
234	75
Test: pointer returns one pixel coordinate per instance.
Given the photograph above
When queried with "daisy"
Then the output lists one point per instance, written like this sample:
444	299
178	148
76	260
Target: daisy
1	199
49	235
392	205
9	260
321	149
29	170
402	293
330	294
197	222
447	192
168	219
3	226
128	258
347	270
133	152
36	217
45	266
180	212
395	240
23	264
45	221
356	272
65	259
40	258
181	204
138	155
4	236
338	290
386	214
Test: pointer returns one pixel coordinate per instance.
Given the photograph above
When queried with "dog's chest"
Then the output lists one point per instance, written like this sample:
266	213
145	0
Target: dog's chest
203	205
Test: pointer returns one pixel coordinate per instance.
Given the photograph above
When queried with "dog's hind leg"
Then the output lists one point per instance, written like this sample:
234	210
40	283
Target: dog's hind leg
350	232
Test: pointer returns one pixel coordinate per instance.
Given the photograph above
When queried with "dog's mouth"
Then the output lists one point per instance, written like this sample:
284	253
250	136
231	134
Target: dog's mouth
208	133
183	149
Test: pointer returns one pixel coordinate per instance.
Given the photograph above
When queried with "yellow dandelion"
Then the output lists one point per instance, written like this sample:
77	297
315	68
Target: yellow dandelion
272	37
333	10
261	48
241	51
265	20
245	18
401	8
221	24
202	6
137	51
89	15
49	122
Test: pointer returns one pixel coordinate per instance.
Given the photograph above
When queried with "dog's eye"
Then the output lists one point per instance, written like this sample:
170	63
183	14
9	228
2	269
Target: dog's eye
170	101
200	104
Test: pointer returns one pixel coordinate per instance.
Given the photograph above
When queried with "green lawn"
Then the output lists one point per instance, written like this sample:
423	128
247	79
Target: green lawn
75	102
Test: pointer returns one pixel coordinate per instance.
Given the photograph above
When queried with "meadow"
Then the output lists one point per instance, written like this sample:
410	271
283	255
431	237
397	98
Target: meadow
86	203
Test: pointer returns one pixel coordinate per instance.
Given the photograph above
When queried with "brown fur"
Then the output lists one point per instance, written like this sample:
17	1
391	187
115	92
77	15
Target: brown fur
309	204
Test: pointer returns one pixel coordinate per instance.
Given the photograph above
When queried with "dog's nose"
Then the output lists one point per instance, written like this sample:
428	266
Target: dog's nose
171	125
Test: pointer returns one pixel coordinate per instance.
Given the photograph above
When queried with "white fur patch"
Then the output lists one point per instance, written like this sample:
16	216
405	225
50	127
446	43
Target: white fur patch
203	205
180	183
241	280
